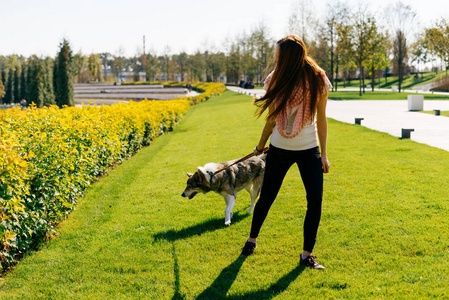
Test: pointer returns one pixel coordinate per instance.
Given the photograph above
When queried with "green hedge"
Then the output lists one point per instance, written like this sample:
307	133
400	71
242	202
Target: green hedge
50	156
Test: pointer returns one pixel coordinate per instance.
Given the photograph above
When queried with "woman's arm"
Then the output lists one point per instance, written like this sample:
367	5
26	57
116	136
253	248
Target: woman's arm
322	131
267	131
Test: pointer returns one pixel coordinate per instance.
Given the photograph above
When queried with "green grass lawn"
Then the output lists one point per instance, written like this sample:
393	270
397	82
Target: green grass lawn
383	234
369	95
407	83
442	113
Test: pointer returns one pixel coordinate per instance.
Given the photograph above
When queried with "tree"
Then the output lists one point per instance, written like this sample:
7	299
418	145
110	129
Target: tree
420	52
9	93
322	54
345	53
248	62
152	67
94	66
3	77
437	38
377	56
118	63
338	14
233	69
364	29
164	63
181	60
136	65
302	21
23	82
401	18
2	88
16	85
262	46
47	67
40	89
196	66
400	55
79	67
105	59
63	76
216	65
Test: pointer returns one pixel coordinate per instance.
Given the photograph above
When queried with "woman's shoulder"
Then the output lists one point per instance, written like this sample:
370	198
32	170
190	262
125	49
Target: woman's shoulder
327	83
267	80
321	73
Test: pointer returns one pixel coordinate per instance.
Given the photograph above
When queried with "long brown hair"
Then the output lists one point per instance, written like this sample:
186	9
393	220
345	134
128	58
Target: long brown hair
293	69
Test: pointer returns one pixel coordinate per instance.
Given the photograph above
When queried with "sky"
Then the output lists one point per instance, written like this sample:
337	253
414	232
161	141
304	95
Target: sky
169	26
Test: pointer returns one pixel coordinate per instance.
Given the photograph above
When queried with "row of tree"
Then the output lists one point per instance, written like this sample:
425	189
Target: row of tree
348	42
356	42
44	81
246	57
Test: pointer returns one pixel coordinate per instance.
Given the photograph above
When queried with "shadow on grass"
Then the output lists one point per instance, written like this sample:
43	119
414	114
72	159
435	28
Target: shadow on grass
221	285
177	295
198	229
275	289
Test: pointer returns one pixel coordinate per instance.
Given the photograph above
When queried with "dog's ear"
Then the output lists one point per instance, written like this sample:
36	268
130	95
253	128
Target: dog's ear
204	180
189	175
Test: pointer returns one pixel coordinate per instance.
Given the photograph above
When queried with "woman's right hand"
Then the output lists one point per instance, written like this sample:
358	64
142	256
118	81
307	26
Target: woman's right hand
325	163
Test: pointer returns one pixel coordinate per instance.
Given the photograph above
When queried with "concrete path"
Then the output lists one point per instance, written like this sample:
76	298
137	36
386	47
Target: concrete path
389	116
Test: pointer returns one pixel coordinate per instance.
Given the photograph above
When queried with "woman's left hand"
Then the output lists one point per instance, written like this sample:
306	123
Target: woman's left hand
325	163
257	152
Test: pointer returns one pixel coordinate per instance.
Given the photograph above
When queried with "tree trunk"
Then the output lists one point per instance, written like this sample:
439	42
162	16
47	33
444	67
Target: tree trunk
363	79
332	68
336	73
378	76
360	80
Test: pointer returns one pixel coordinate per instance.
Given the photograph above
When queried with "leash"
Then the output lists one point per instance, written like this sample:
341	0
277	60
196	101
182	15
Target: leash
238	161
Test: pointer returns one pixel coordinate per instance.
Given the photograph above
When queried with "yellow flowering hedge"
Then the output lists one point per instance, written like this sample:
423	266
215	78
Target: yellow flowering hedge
49	156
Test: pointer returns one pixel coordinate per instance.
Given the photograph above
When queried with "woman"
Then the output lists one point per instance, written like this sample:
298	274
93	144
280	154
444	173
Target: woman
295	98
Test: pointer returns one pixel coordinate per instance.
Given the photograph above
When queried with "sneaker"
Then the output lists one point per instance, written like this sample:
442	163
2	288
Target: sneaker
309	261
248	249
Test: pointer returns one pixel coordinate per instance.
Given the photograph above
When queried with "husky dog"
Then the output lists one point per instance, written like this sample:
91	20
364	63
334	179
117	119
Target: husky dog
247	175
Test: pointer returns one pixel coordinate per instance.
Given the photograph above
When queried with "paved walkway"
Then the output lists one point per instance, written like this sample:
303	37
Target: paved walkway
389	116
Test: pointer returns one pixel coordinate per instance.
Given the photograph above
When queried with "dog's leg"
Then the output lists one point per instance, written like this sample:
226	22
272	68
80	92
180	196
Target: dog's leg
251	189
255	191
230	202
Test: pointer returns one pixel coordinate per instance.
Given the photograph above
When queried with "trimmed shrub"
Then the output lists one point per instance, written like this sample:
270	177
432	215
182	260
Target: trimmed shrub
49	156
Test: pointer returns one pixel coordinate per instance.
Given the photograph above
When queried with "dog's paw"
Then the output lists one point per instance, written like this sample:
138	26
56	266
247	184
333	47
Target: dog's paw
227	223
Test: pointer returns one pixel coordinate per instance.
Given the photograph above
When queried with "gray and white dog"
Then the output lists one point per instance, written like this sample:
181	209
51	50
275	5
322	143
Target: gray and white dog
247	175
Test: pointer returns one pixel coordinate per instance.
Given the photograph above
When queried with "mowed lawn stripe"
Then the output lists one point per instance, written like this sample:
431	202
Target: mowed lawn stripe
383	233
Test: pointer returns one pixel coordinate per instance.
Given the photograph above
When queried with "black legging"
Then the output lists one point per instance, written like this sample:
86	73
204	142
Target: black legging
278	162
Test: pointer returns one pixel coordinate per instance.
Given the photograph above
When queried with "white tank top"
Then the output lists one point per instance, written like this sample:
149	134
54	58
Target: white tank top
307	138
